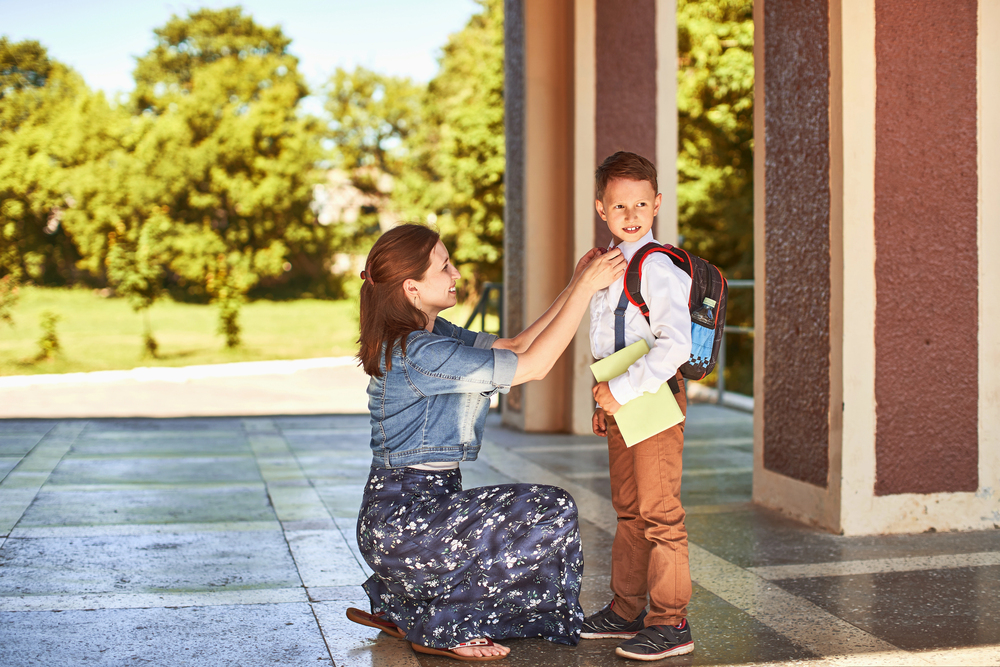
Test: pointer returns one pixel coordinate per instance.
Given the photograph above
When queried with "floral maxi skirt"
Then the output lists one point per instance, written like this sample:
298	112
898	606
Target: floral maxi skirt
453	565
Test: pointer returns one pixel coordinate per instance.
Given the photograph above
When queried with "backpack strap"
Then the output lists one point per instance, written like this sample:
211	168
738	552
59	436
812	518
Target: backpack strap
633	273
633	279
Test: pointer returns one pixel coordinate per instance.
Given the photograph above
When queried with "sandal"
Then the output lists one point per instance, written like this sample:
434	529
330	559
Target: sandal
450	652
375	621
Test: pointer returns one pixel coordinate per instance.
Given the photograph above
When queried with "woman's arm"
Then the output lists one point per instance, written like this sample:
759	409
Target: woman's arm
522	341
550	340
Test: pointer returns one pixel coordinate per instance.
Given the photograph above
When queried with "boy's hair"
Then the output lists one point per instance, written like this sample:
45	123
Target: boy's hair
624	165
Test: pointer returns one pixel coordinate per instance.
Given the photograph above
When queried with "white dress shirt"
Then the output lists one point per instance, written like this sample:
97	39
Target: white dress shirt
668	333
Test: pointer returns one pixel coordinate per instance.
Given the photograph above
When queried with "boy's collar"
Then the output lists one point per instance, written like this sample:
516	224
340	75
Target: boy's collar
628	248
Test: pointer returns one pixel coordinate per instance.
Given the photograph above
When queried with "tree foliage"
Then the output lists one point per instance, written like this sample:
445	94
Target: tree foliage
456	157
38	103
186	45
715	158
229	165
715	107
202	184
373	116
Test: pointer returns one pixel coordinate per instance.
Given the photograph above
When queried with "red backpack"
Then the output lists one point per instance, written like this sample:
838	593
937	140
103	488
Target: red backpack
706	303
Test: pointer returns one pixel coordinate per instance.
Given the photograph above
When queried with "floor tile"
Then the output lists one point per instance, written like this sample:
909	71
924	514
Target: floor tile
18	445
127	444
919	610
7	464
205	561
54	507
155	470
245	635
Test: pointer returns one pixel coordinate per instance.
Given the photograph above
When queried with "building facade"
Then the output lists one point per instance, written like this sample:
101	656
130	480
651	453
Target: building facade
877	224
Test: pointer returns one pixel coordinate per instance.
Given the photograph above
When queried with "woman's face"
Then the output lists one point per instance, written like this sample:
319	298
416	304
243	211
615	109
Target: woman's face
436	290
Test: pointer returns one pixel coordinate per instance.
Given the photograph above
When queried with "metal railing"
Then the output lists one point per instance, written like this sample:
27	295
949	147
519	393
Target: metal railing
484	302
720	364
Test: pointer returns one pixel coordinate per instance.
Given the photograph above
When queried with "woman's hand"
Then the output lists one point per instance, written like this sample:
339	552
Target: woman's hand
584	261
602	270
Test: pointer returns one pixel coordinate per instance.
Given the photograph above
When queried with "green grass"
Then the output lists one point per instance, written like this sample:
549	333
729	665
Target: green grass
97	333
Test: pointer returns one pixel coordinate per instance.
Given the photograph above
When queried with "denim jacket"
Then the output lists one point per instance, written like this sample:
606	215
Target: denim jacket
432	404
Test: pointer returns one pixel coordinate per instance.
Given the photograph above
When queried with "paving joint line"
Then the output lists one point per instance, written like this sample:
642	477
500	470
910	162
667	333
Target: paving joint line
271	449
161	600
34	469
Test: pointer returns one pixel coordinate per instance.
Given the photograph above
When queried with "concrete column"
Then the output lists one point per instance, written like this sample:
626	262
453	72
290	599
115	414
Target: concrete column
584	78
793	258
666	119
584	156
876	325
989	250
540	250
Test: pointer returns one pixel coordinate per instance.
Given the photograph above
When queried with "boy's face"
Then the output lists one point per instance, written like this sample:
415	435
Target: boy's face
629	208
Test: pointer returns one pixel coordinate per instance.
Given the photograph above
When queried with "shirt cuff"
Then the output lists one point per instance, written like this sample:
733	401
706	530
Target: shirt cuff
484	340
621	389
504	367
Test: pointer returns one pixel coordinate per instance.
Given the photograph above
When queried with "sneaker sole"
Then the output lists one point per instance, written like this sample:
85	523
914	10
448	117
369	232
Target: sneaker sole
608	635
677	650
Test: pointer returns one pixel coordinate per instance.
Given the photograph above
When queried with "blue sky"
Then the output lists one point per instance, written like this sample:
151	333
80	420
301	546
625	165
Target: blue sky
100	38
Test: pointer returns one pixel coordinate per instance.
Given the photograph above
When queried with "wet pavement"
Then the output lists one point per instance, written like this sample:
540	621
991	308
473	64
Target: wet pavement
230	540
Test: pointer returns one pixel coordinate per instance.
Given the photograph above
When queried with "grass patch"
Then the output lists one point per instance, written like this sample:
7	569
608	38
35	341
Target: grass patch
97	333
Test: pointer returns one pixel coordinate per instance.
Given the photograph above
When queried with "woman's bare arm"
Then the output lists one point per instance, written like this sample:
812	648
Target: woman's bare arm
522	341
550	341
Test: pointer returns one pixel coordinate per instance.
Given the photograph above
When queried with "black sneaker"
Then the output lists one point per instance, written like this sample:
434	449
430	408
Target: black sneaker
606	624
657	642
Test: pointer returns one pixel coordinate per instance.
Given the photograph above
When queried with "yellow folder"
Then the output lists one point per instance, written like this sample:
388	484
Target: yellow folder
645	415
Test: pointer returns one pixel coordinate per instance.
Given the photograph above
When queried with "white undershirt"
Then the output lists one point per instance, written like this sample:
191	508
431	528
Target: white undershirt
666	289
436	465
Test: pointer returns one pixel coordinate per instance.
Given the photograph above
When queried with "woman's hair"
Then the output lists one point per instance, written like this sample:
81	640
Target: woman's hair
402	253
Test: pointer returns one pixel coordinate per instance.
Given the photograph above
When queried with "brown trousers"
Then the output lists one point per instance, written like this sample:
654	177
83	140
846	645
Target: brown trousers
649	556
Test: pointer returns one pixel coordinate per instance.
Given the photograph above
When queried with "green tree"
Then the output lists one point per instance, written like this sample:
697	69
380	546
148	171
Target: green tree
715	158
373	116
456	157
9	296
371	119
38	97
135	262
225	162
48	343
186	45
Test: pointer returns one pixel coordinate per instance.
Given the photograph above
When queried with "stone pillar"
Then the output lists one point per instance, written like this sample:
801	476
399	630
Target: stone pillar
877	317
585	78
539	221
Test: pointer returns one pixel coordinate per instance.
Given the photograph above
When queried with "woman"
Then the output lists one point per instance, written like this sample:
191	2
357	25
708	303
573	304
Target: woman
455	569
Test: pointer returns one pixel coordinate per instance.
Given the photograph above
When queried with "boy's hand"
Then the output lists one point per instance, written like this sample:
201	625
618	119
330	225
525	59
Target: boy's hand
600	422
585	260
605	399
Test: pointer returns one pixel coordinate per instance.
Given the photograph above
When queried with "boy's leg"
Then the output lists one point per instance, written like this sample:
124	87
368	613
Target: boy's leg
630	549
657	479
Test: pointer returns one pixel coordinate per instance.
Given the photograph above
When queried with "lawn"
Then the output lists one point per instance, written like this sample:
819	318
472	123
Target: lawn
97	333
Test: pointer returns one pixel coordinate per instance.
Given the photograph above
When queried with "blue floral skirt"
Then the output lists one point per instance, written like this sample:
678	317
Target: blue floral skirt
453	565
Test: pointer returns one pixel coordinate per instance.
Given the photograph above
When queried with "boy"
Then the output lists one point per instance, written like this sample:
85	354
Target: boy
649	556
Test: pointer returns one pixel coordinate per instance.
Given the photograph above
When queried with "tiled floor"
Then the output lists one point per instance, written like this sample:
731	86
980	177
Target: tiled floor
228	541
